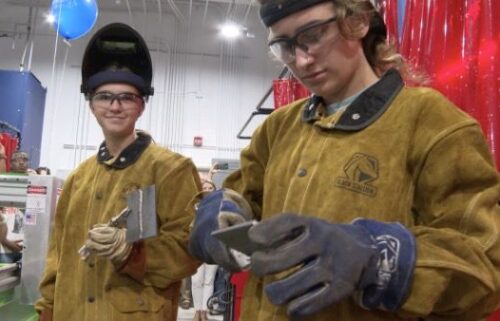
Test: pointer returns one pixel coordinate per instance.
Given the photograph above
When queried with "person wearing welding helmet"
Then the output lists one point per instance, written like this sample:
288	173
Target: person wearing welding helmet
375	201
92	273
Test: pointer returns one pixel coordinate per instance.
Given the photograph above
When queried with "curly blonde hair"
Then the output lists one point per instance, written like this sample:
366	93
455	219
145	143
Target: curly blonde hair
380	53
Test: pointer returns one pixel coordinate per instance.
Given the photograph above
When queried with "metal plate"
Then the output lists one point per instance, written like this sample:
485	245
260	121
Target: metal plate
142	222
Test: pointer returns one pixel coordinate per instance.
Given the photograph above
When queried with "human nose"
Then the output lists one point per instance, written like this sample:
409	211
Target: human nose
302	58
115	104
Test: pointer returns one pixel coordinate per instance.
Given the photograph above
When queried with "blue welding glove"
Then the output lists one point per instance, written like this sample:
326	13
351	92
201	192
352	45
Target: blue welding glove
325	263
219	209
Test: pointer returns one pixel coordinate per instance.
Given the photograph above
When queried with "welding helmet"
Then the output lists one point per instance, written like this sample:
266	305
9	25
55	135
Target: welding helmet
117	54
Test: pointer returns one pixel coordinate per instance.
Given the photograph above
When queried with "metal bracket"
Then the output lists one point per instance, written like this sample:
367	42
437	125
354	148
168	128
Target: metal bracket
13	190
259	110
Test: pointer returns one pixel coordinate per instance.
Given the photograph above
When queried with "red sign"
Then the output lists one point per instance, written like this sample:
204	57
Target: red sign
37	189
198	141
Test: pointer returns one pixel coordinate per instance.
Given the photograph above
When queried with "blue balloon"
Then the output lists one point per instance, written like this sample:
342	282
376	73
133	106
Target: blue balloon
74	18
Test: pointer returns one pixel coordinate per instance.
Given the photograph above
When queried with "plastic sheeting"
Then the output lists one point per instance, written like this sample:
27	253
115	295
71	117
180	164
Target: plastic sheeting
390	12
455	43
288	90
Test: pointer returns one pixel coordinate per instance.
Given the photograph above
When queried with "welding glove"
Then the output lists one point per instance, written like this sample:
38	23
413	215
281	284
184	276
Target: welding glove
219	209
109	241
317	263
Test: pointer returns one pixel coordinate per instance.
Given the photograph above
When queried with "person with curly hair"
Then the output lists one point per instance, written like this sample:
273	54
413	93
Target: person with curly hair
375	200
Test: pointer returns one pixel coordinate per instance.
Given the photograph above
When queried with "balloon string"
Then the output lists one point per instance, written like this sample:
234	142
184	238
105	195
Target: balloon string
55	48
52	77
131	18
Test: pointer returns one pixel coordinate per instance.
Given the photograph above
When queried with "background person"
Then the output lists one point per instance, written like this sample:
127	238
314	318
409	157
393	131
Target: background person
202	282
19	162
119	281
376	201
11	218
11	235
44	171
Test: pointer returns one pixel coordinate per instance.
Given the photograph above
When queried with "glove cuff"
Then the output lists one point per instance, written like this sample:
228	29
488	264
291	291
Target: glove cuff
120	256
385	284
205	222
202	245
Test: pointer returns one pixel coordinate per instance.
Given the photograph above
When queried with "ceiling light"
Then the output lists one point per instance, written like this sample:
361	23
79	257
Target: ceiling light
231	30
50	18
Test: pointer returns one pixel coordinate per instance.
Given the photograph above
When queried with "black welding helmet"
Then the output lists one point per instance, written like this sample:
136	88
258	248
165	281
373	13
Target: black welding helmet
117	54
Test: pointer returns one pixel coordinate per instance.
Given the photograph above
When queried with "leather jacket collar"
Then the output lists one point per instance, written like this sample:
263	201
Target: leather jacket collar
366	108
128	156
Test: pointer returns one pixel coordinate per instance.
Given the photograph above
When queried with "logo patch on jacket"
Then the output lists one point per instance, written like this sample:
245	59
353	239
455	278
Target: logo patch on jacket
360	171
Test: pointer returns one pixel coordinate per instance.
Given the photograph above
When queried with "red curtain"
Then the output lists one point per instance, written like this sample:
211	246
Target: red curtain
389	11
288	90
455	43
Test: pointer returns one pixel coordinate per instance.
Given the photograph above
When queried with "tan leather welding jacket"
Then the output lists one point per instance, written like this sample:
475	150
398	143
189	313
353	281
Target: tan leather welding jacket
147	287
396	154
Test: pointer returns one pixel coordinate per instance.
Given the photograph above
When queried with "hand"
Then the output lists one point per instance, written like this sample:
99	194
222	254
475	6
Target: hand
3	159
108	241
3	230
219	209
14	246
325	263
2	149
46	315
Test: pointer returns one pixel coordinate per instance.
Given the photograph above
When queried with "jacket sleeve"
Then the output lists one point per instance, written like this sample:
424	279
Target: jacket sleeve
48	281
457	223
249	179
163	260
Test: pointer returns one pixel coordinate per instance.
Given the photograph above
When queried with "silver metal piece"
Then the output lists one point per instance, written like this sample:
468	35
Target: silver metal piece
141	222
41	199
13	190
121	219
8	276
139	217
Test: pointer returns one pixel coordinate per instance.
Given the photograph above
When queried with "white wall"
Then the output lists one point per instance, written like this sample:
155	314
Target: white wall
204	86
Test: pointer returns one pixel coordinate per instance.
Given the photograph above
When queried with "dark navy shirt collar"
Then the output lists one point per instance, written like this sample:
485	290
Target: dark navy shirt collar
128	156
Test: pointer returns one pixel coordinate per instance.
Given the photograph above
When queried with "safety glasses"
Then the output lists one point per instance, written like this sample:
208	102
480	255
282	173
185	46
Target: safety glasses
126	100
308	39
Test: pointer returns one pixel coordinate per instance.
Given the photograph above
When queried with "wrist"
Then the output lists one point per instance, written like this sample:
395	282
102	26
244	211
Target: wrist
385	283
3	156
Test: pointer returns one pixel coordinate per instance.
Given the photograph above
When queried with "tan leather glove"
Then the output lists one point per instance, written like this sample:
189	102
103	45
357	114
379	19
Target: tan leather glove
108	241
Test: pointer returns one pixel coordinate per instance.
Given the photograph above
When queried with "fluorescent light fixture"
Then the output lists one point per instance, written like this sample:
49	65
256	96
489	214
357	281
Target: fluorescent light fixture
231	30
50	18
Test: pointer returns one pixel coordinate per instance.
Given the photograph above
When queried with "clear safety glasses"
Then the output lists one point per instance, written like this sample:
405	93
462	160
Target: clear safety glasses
308	39
126	100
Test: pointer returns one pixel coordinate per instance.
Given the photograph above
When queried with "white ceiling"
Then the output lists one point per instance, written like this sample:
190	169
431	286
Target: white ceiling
137	4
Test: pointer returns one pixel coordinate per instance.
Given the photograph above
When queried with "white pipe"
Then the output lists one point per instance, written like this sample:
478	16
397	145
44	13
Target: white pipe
130	13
